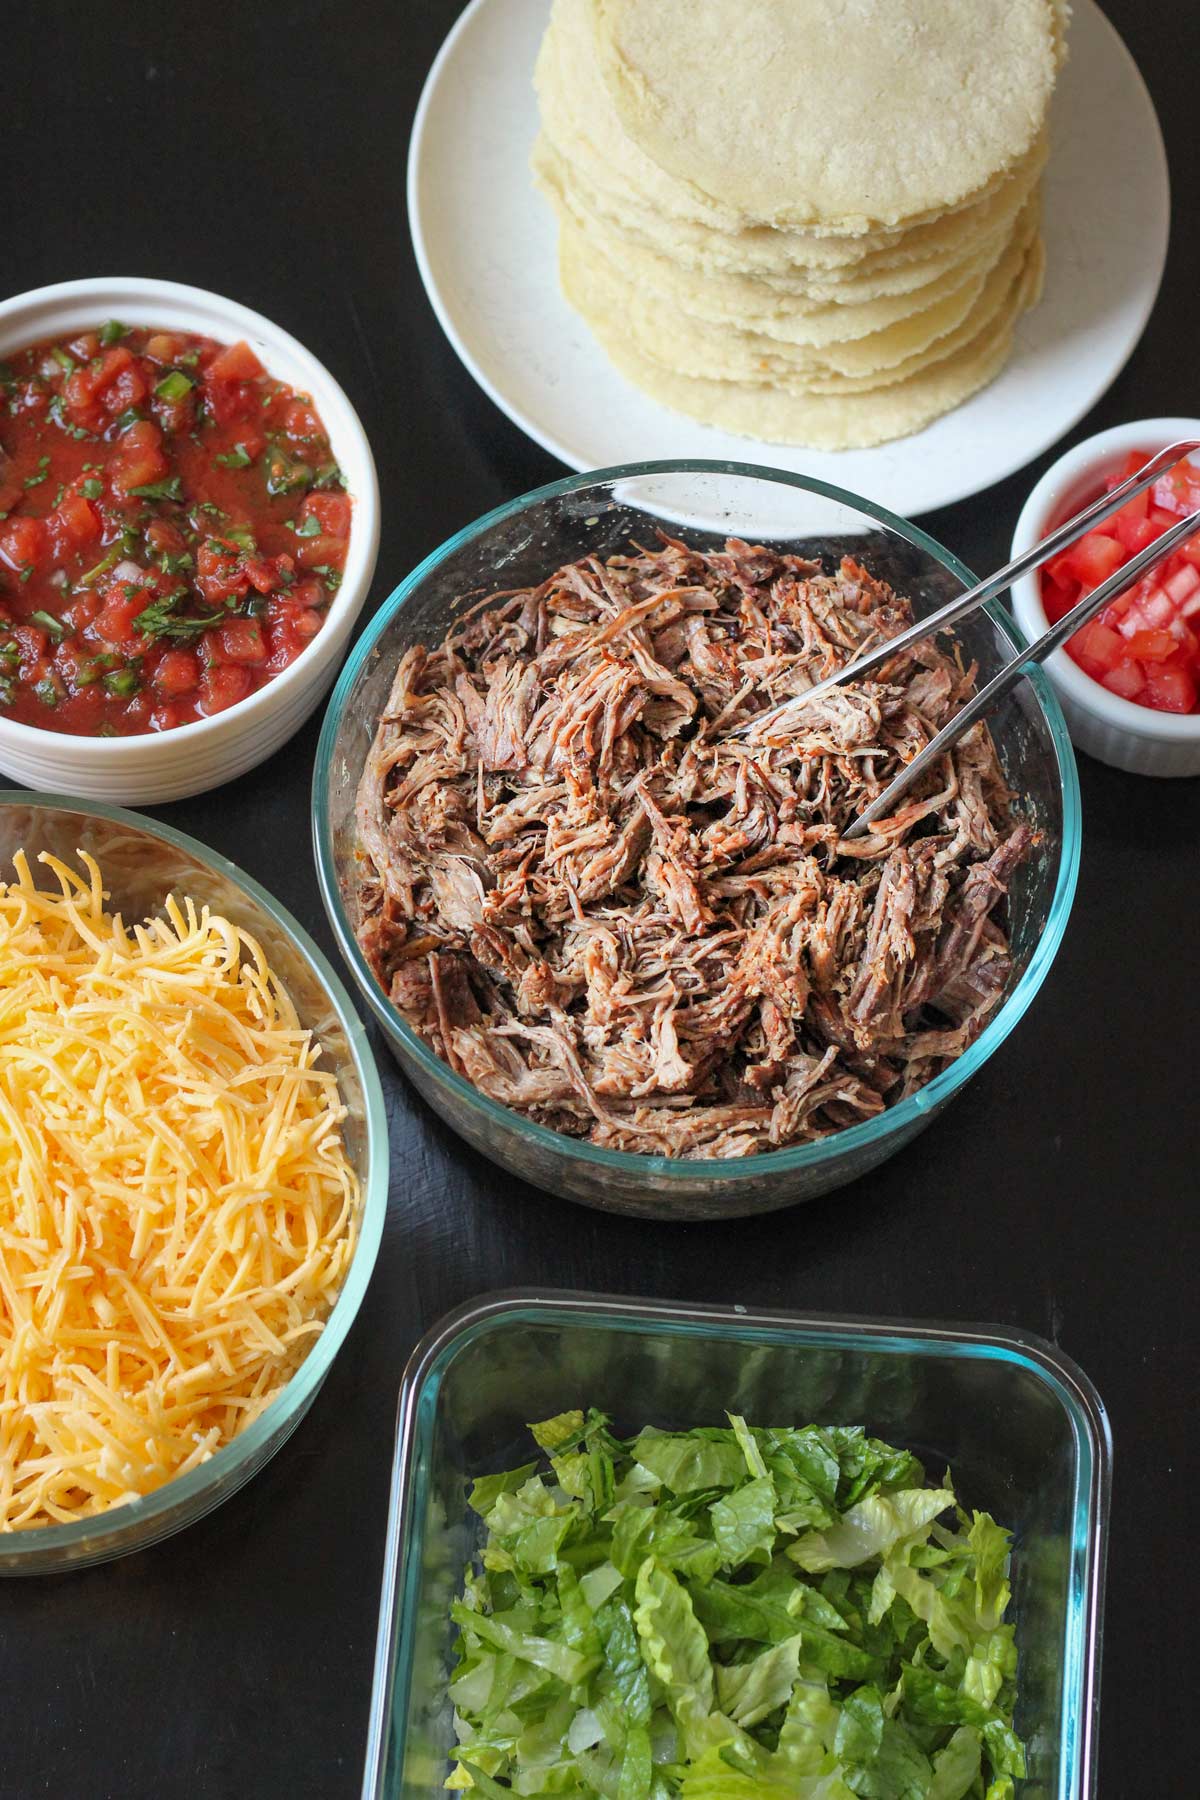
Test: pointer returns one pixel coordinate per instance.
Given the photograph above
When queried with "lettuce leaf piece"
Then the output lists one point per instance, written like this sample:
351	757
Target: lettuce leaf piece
683	1461
556	1433
930	1700
1004	1749
623	1659
720	1774
642	1531
893	1767
557	1659
868	1466
578	1622
748	1691
956	1768
529	1527
743	1522
859	1734
487	1490
599	1584
992	1662
674	1646
870	1529
950	1624
636	1766
748	1445
990	1547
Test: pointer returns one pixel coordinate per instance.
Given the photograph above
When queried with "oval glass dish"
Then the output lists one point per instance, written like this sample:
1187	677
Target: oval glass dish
142	861
520	544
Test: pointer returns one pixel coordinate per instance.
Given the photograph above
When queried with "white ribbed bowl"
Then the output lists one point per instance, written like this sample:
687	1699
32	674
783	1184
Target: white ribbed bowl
1109	728
168	765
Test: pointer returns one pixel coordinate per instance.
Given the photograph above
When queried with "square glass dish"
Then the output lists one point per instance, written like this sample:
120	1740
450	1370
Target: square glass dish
1022	1429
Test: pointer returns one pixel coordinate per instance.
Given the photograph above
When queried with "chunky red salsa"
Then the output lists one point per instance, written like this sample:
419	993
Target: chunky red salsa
172	529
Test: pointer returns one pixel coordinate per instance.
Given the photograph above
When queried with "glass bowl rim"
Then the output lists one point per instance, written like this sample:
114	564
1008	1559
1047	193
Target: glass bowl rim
131	1517
691	1169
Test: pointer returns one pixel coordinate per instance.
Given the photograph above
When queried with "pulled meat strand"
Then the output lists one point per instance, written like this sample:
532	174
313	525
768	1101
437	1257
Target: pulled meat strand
610	914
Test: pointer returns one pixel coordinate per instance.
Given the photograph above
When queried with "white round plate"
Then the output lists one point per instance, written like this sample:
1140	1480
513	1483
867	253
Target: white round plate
485	244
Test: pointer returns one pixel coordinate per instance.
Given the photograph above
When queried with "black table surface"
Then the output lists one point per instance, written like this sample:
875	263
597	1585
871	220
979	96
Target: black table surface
259	150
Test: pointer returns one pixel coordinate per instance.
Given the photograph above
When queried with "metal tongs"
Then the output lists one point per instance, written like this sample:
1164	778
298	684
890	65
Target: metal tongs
776	719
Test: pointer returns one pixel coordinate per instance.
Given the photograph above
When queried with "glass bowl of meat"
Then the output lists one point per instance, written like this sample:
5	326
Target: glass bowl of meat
627	951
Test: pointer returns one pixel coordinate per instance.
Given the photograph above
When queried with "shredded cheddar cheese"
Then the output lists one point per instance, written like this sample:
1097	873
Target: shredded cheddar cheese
177	1209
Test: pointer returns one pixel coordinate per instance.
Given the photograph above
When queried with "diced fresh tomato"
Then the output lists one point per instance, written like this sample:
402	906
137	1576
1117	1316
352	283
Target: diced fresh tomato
126	389
1158	608
164	538
321	552
220	575
1178	491
223	686
1134	463
1147	646
241	641
73	523
1171	687
1058	598
114	623
1126	679
177	672
162	346
237	362
331	511
1094	558
301	422
229	402
262	573
1098	647
102	388
140	460
32	642
1133	534
1181	584
22	542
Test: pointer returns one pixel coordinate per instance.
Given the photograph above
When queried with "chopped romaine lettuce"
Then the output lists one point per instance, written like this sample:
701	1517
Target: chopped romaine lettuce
729	1614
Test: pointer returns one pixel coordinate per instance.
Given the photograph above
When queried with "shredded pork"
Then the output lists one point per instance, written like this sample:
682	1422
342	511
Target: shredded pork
608	913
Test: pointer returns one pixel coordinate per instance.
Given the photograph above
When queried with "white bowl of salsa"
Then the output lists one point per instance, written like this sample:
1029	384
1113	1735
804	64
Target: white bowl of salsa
1129	682
189	523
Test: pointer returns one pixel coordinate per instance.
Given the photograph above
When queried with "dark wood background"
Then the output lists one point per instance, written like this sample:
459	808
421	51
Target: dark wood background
259	150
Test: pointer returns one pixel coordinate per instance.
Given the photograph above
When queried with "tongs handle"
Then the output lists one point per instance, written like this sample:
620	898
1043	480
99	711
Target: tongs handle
979	595
1021	664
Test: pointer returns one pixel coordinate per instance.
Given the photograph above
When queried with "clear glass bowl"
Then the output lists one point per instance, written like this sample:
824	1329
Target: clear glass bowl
143	862
1022	1429
521	543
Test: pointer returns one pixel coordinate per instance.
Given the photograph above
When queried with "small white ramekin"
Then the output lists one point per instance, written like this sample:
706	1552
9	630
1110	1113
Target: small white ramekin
169	765
1107	727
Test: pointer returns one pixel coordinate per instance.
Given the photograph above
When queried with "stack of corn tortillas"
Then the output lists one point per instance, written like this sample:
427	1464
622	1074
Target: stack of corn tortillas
809	221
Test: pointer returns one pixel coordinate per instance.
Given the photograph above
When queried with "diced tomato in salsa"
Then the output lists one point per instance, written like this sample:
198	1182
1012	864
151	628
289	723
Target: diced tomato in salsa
1145	644
173	528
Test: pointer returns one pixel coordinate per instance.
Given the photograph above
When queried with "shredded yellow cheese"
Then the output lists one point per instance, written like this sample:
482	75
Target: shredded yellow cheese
177	1209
